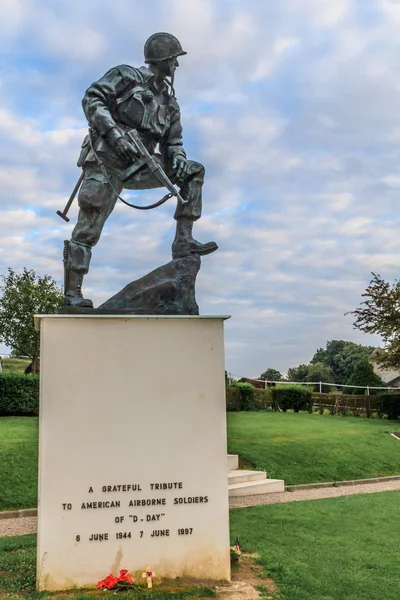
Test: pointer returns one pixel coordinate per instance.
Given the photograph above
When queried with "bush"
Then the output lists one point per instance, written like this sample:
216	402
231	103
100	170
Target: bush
295	397
233	399
244	396
390	406
247	392
262	399
19	395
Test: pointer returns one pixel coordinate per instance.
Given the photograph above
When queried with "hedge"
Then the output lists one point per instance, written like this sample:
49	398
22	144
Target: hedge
19	395
390	405
244	396
296	398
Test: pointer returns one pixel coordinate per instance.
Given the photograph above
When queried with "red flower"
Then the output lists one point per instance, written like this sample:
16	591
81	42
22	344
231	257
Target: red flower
125	577
108	583
111	582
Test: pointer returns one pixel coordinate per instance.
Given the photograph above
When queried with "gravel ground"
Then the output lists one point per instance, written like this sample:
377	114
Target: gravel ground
24	525
315	494
19	526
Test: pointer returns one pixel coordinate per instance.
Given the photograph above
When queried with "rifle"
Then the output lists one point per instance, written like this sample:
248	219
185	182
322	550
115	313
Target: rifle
63	214
147	160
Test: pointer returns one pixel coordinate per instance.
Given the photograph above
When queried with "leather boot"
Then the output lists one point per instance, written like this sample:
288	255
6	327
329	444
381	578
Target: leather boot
184	244
73	294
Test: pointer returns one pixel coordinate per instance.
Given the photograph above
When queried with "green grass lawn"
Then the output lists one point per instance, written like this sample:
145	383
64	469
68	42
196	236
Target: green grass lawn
18	462
14	365
310	448
298	448
337	549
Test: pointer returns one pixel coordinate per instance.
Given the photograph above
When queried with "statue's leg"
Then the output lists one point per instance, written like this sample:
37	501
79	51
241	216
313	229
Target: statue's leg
96	202
185	215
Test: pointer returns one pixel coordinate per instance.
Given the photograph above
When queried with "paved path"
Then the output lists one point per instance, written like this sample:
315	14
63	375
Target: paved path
24	525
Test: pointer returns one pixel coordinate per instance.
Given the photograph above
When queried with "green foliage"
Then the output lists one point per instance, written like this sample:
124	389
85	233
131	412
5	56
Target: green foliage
331	549
19	395
247	393
24	296
244	396
363	374
390	405
341	357
297	373
233	398
272	375
320	372
235	555
380	313
316	371
262	399
291	397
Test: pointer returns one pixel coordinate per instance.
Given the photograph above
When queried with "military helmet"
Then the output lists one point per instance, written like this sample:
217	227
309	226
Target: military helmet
162	46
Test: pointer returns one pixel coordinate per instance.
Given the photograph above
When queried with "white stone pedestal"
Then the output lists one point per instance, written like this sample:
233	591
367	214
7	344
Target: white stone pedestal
132	455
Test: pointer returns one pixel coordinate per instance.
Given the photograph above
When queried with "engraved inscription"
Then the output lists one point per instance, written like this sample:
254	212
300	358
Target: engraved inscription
142	518
98	537
160	533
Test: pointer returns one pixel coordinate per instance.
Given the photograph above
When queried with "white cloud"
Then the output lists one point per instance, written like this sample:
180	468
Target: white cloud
292	107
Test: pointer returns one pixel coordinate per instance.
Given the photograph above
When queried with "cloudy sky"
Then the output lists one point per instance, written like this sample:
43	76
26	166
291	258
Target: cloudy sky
294	109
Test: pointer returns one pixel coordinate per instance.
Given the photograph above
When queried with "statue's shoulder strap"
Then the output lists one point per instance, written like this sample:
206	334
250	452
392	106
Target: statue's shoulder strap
136	77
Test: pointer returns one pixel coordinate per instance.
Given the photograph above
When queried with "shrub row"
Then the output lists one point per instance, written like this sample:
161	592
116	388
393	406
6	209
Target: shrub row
19	395
244	396
383	405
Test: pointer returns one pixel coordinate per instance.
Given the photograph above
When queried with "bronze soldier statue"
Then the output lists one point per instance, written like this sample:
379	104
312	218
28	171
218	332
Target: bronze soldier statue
142	101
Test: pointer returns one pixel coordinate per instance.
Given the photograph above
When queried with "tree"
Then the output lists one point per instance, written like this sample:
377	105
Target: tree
380	313
320	372
24	296
363	374
341	357
319	356
298	373
272	375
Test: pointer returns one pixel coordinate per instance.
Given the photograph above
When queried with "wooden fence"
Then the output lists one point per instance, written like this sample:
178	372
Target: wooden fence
345	403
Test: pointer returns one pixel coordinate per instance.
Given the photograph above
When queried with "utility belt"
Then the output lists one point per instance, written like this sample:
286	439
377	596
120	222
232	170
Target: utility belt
101	145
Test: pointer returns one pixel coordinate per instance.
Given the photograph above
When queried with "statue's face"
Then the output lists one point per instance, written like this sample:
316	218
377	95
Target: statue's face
167	68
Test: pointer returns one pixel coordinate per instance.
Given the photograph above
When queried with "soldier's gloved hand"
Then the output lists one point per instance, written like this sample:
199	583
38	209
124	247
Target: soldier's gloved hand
124	150
181	166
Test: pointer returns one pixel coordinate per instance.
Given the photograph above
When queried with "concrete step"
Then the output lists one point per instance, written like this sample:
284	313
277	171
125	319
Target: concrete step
239	476
250	488
233	462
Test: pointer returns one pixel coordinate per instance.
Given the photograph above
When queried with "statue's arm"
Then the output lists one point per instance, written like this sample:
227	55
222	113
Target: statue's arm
171	145
98	99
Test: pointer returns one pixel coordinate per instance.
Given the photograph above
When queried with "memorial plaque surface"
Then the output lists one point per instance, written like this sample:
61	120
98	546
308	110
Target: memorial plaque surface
132	449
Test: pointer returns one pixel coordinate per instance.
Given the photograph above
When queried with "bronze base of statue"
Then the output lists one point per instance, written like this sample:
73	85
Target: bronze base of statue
168	290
